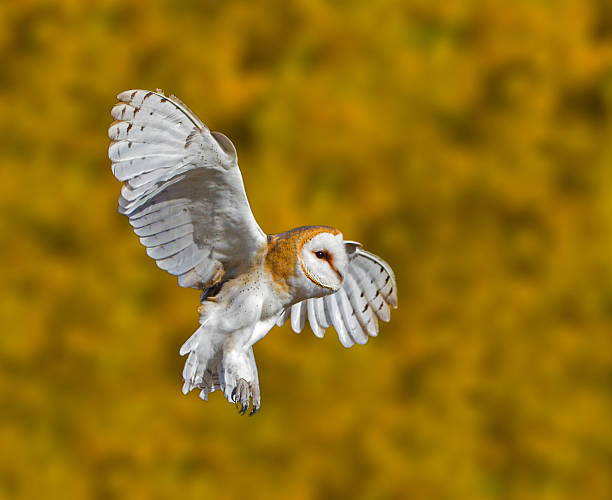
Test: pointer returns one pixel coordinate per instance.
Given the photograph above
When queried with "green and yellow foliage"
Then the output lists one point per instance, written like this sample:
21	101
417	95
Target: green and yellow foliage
466	142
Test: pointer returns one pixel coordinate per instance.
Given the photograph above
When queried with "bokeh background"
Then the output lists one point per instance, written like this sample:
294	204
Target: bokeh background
466	142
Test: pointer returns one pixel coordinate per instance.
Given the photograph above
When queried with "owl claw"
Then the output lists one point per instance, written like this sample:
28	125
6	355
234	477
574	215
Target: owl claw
245	396
254	410
256	399
241	396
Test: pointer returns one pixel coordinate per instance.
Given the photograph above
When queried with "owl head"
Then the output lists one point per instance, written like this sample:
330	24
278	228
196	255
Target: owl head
308	261
323	259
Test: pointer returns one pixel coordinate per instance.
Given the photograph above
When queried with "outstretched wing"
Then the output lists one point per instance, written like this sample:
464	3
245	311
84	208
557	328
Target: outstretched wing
366	294
182	189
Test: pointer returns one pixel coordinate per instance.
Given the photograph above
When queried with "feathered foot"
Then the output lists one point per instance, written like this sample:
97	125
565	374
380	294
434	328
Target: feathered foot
244	394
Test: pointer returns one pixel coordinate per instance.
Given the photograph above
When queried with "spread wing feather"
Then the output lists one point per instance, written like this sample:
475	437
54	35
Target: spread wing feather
317	329
368	292
182	189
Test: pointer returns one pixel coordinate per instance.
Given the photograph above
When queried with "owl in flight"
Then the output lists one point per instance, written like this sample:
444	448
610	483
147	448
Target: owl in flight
184	197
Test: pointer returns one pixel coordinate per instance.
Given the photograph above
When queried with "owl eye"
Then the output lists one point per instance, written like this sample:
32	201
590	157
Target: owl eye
320	254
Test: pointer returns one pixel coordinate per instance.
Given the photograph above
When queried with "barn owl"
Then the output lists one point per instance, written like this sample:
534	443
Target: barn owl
184	196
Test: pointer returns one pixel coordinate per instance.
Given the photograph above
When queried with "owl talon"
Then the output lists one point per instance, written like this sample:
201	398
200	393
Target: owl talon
241	396
256	399
254	410
246	396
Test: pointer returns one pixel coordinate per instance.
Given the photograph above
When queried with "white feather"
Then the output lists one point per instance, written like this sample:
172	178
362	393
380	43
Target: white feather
164	224
381	272
152	133
159	211
312	319
128	169
359	305
336	316
366	283
322	317
167	236
180	262
298	317
282	317
203	272
170	248
350	321
182	187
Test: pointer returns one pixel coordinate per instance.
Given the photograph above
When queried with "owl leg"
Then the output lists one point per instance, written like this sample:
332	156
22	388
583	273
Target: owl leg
255	394
241	395
248	390
246	395
204	348
241	381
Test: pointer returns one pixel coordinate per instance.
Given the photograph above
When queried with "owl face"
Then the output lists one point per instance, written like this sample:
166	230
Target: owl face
324	260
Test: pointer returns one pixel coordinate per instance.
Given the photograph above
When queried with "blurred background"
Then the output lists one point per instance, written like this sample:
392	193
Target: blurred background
466	142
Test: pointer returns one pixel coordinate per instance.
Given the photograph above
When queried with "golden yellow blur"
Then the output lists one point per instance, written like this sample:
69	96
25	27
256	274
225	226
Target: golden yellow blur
468	143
